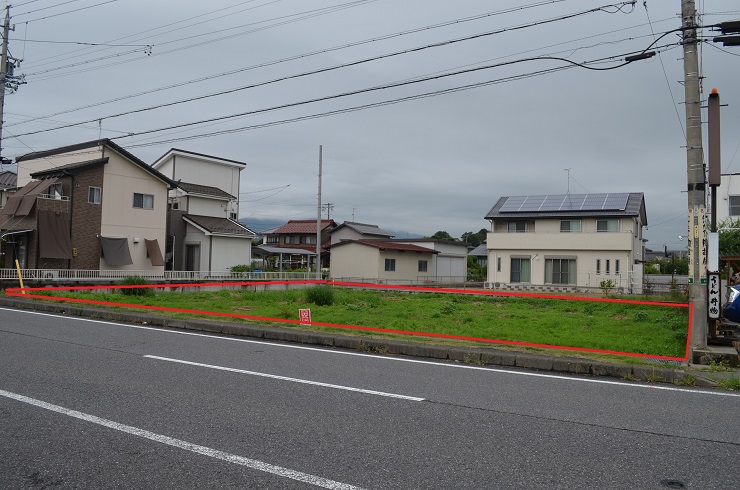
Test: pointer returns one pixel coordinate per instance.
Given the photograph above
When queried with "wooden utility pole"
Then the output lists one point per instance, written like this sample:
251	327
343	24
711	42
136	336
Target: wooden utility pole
696	176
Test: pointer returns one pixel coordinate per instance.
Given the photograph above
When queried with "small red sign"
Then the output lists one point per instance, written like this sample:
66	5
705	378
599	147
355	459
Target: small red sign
304	316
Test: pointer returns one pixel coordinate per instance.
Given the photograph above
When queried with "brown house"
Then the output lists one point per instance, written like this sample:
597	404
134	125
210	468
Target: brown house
99	208
293	244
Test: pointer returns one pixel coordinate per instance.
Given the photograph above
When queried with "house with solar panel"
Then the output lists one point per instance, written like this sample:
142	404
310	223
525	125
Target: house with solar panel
567	242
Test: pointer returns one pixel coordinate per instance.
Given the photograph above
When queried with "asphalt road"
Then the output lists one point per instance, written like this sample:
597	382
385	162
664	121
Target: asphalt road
90	404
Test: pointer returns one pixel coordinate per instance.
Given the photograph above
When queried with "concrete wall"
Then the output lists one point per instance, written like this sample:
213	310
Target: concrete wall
354	260
228	252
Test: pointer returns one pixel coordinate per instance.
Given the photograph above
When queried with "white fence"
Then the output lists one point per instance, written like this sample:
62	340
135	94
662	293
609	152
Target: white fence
74	275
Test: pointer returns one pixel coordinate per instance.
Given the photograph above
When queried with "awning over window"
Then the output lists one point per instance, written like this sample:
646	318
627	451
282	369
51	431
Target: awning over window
115	250
54	240
154	252
21	203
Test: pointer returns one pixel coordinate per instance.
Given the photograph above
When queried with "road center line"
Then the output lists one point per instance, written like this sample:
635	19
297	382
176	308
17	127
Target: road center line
188	446
285	378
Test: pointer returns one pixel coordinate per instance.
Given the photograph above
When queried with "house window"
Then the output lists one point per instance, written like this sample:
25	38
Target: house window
307	239
598	266
607	266
289	240
498	264
616	266
608	225
272	239
520	270
560	271
570	226
734	205
143	201
390	265
517	226
422	266
233	216
93	195
55	191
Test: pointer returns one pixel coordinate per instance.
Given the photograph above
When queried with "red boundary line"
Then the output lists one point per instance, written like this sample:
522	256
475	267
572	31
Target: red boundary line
20	292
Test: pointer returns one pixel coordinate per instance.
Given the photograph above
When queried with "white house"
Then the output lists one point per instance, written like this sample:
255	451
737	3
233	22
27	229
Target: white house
567	242
203	232
450	263
728	198
381	260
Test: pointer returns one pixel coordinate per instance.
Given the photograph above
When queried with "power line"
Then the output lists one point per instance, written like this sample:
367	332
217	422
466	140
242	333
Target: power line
70	11
305	15
292	58
370	105
67	54
44	8
353	63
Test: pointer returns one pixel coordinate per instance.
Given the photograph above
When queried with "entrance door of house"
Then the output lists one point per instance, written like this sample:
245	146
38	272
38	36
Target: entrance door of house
192	257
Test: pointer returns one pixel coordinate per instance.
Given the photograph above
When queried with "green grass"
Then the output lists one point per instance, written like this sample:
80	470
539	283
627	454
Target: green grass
644	329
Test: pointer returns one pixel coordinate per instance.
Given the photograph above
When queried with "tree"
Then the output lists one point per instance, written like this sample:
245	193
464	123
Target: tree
475	239
729	237
442	235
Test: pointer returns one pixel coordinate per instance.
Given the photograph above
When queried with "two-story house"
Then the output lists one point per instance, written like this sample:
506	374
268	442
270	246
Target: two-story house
350	230
91	206
728	198
567	242
293	245
203	231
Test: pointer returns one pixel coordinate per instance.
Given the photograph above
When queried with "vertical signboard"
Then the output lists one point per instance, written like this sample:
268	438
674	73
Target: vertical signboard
701	233
304	316
714	296
690	239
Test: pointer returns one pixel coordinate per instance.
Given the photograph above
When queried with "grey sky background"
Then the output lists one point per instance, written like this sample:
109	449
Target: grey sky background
438	162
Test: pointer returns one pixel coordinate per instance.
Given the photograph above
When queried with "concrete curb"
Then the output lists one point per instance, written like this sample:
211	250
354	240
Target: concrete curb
483	356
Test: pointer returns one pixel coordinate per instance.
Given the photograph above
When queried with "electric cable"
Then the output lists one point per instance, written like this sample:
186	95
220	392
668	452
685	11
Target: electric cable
292	58
344	65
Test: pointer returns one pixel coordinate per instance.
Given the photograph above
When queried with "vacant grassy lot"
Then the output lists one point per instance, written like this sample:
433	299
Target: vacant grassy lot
644	329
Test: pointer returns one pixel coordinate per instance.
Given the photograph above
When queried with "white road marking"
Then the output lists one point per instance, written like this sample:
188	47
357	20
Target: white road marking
491	369
188	446
285	378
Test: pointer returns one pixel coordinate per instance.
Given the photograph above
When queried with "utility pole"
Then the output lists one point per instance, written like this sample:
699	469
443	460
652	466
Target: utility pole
3	73
318	223
696	177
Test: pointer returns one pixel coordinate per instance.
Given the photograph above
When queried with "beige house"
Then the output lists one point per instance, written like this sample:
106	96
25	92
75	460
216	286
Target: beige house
567	242
88	206
381	260
204	233
728	198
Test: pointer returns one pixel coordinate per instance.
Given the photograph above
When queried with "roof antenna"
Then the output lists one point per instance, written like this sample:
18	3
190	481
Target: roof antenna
568	170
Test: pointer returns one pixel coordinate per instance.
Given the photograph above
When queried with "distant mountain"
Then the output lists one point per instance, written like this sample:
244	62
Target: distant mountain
258	225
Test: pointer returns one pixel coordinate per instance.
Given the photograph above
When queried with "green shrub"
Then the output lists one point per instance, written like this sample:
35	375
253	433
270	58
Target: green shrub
132	281
320	295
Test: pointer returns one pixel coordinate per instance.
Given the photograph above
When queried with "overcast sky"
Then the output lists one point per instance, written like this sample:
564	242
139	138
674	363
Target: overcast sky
418	165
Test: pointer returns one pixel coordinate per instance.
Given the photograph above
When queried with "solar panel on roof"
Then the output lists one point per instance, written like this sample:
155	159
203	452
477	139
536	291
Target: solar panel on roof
567	202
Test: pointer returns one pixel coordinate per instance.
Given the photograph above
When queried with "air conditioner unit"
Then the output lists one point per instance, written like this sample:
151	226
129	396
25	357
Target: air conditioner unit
50	275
